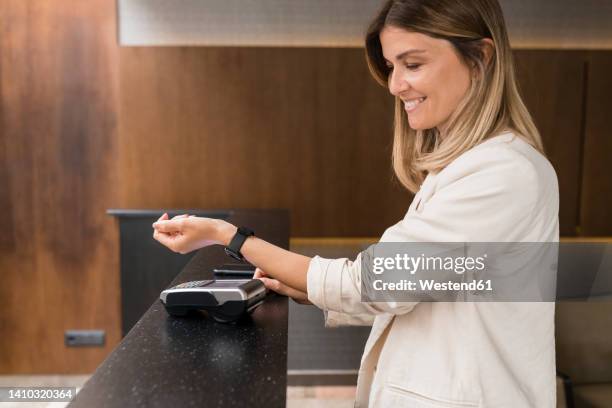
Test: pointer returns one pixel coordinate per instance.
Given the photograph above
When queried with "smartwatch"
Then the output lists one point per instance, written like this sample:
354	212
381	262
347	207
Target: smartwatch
233	249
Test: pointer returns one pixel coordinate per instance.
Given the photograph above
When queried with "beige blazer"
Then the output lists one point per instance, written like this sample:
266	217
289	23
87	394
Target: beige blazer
442	354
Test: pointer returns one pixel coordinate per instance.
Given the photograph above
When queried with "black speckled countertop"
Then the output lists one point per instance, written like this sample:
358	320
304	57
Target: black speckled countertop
195	361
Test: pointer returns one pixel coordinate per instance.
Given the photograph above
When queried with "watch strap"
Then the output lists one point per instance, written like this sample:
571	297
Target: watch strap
238	240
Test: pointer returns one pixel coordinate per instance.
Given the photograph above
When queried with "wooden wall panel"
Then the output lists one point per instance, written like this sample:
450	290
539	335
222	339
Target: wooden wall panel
58	249
596	207
304	129
552	83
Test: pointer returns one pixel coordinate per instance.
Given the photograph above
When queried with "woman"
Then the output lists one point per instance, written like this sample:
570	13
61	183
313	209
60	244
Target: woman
465	143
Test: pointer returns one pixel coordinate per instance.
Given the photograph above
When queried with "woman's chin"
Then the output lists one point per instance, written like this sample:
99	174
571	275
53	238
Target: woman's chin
416	125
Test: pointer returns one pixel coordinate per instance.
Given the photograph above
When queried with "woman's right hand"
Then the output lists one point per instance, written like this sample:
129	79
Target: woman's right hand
279	287
186	233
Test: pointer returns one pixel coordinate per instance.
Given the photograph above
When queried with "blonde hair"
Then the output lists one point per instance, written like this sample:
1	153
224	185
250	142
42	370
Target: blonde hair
492	104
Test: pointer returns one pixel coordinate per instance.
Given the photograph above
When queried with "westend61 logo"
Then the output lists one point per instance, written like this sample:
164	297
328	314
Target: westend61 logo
412	265
415	264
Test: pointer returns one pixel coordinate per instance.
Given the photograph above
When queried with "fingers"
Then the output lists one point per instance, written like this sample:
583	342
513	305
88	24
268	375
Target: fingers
168	226
162	226
259	274
273	285
163	234
168	231
278	287
163	239
160	220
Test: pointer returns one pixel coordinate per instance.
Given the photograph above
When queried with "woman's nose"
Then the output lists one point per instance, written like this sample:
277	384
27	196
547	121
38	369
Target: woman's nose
397	84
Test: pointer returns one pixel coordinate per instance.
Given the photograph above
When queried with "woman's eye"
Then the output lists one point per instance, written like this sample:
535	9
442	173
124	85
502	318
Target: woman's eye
413	67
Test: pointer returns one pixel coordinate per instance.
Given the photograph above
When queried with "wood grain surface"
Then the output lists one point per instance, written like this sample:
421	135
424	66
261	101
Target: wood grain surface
58	124
552	83
596	187
303	129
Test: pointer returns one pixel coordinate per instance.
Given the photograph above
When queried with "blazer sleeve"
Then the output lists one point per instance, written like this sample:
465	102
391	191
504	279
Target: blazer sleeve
336	319
488	198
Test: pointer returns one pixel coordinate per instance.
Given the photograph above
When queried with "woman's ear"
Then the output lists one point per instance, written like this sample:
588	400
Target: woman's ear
487	48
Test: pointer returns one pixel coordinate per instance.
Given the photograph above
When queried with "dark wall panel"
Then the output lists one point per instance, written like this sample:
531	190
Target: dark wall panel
596	206
58	249
552	83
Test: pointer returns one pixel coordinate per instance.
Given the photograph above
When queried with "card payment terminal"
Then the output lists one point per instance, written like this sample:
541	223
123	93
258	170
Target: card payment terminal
225	300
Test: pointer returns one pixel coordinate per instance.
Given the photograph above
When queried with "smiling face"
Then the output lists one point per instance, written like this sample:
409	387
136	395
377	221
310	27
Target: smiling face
427	74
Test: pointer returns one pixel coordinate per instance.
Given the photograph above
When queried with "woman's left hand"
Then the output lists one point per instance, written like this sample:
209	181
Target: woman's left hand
279	287
186	233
